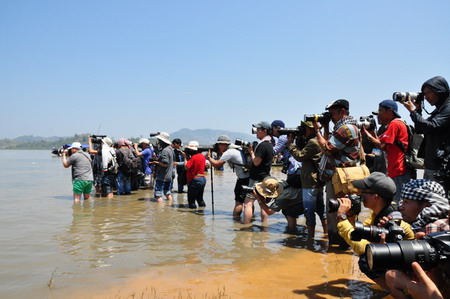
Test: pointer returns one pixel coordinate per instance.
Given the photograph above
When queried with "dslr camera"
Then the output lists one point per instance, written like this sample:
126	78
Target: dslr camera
297	131
245	144
367	122
333	204
416	97
97	139
372	233
321	118
432	251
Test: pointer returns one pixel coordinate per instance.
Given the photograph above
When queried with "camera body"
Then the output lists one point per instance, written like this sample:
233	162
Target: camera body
154	134
367	122
321	118
432	251
372	233
443	173
333	204
97	139
400	96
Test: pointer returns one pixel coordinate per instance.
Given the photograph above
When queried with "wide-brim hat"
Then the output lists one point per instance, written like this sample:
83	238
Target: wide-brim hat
193	145
164	137
107	141
76	145
223	139
269	187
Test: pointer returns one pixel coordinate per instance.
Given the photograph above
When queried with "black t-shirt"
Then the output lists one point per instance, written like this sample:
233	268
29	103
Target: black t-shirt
265	151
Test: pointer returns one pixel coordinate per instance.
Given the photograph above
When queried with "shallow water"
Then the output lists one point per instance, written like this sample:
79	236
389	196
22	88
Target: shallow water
53	248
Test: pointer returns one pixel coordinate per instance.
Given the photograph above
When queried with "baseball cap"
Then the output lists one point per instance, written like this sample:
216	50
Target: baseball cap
379	183
338	103
263	124
224	139
278	123
391	105
144	140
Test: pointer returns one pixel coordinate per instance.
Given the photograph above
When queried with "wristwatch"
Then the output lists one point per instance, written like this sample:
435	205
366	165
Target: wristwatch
342	216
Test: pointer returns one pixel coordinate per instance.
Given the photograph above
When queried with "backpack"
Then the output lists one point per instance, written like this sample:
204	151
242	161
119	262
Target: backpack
414	142
113	166
130	165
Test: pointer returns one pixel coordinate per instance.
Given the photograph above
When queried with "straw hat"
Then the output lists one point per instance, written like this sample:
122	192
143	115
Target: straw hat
269	187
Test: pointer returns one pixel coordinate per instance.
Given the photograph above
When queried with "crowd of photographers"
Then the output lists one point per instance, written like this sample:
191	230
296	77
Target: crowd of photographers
407	231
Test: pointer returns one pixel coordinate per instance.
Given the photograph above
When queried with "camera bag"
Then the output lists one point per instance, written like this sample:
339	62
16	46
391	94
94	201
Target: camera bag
343	177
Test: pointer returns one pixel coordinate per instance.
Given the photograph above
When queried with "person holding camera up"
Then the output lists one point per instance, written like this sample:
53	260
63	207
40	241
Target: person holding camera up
164	168
82	176
237	161
195	164
436	126
394	141
341	149
146	153
312	187
377	191
108	165
262	157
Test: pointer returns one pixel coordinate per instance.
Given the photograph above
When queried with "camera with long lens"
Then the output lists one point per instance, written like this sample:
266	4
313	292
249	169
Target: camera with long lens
297	131
97	139
416	97
372	233
321	118
433	250
367	122
154	134
333	204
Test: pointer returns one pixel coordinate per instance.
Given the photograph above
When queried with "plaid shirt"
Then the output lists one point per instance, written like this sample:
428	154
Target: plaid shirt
437	226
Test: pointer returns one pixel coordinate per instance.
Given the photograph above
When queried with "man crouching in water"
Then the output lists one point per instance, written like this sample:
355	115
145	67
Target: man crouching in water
274	196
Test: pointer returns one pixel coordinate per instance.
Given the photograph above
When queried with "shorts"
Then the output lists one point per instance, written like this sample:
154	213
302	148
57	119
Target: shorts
162	187
294	211
238	196
82	187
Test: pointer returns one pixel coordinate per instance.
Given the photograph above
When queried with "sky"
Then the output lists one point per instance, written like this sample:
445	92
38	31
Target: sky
129	68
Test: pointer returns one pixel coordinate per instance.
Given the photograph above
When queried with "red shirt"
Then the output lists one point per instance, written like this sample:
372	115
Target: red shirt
196	166
396	130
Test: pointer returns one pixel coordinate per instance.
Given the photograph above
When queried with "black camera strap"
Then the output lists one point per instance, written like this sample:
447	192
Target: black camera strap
384	213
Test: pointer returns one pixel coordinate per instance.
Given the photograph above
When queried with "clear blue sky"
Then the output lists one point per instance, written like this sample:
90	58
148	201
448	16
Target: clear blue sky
133	67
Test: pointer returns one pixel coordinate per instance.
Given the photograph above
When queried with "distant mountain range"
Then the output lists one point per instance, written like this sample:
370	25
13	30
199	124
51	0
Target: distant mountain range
203	136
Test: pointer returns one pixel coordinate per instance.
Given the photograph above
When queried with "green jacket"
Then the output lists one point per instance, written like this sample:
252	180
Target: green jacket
310	156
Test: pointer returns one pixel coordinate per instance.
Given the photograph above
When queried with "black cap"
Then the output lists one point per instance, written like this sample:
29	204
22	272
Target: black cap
338	103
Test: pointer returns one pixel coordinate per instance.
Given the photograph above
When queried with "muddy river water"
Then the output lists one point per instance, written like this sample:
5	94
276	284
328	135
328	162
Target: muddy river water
131	246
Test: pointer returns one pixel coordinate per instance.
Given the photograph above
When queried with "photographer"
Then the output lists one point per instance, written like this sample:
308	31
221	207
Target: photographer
82	176
108	171
424	205
394	141
312	187
377	191
195	164
274	196
236	158
147	153
436	126
291	167
179	165
125	159
262	157
164	168
341	149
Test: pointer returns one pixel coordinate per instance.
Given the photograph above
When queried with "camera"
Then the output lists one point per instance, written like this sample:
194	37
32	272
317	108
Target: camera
442	175
97	139
372	233
298	131
333	204
416	97
322	118
367	122
432	251
154	134
245	144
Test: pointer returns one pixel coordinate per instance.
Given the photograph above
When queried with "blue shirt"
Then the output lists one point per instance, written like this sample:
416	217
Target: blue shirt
281	147
147	154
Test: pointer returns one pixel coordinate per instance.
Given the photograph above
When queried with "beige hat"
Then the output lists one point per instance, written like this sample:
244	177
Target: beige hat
269	187
193	145
107	141
164	137
144	140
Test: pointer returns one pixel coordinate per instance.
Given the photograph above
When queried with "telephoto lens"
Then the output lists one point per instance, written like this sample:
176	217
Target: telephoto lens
432	251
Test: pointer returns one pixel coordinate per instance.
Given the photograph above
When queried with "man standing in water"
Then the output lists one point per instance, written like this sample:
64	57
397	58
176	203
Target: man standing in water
82	176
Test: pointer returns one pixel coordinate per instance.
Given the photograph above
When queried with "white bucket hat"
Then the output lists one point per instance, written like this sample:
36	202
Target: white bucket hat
164	137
